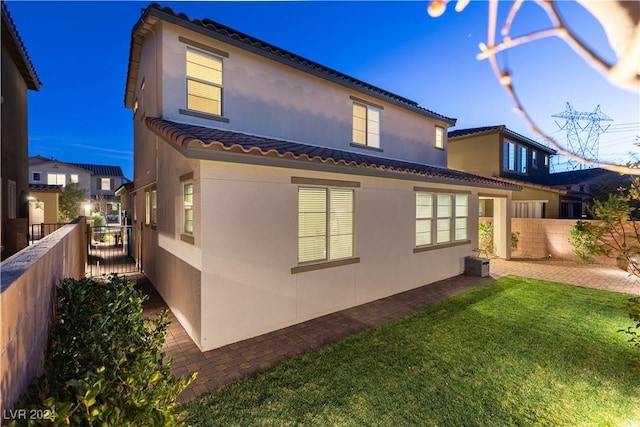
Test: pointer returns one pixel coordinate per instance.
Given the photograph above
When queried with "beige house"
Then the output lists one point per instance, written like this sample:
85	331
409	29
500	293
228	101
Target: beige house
270	190
99	181
498	152
18	77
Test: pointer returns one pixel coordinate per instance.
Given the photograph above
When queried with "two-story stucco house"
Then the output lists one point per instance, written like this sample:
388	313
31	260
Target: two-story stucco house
18	77
270	189
99	181
498	152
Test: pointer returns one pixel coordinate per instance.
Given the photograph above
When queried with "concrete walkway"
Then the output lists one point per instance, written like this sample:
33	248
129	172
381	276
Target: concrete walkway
232	362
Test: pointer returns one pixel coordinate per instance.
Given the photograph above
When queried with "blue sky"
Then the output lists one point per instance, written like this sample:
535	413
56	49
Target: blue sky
80	52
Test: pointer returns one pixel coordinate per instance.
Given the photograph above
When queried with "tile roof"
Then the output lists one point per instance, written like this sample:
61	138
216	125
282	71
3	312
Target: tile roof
187	136
459	133
104	170
252	44
45	187
577	176
17	50
530	184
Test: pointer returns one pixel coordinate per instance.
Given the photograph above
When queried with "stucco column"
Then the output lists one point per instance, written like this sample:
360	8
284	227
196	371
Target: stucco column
502	226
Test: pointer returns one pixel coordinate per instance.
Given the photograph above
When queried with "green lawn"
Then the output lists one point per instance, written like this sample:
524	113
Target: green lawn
515	352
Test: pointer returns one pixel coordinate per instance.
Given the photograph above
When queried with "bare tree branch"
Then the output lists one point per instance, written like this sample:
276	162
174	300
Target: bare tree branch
621	21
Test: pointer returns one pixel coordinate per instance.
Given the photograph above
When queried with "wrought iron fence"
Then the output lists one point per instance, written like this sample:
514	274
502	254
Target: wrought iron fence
111	250
38	231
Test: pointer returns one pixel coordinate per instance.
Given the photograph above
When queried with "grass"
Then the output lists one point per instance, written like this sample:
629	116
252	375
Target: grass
515	352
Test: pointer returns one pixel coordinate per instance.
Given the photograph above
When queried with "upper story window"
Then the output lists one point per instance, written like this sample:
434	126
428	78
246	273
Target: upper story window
546	161
73	178
204	82
366	125
56	179
440	137
534	159
104	183
36	176
514	157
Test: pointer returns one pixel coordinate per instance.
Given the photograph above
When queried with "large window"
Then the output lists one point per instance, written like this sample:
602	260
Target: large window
325	223
187	198
204	82
444	216
514	157
56	179
366	125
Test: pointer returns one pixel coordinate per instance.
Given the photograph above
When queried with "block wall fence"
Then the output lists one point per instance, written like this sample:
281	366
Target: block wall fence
29	280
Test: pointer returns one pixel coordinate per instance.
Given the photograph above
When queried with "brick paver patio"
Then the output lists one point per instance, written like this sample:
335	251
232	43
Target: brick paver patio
229	363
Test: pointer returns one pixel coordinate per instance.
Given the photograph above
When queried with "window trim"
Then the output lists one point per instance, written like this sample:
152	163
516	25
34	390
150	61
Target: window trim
367	106
185	232
442	139
434	193
517	157
33	176
326	262
200	113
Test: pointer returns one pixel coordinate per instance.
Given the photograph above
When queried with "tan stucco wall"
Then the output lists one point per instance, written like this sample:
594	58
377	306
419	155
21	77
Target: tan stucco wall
26	299
49	204
534	194
268	98
13	162
479	155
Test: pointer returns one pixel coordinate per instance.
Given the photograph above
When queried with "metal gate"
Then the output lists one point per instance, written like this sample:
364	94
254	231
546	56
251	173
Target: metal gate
111	250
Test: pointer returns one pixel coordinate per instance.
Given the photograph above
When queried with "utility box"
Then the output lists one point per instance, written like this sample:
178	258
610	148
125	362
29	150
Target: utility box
476	266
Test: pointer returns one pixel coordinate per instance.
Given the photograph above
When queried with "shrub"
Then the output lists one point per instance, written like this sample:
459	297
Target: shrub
485	238
104	364
98	220
585	237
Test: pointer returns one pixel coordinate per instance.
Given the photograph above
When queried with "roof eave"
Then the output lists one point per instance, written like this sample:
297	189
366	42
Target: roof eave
329	75
19	53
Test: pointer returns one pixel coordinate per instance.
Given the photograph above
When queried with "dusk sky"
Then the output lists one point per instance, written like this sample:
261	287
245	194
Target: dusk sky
80	51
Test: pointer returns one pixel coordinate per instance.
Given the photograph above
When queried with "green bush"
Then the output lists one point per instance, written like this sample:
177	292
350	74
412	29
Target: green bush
98	220
585	239
104	364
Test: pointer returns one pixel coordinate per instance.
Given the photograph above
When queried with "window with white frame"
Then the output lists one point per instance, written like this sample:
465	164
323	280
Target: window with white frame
325	223
424	218
104	183
187	200
534	159
546	161
204	82
514	157
154	206
441	218
439	137
73	178
56	179
366	125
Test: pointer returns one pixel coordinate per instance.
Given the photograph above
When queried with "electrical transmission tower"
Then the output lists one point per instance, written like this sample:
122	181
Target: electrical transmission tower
583	139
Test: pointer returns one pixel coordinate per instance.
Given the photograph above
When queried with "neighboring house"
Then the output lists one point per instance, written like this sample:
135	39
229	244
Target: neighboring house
583	186
99	181
43	209
497	152
18	76
270	189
